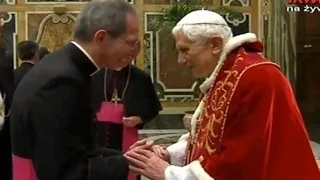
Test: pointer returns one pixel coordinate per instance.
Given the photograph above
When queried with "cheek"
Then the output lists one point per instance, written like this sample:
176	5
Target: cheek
195	59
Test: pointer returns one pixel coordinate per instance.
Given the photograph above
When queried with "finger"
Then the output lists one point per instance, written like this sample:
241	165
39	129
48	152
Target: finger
136	170
147	146
138	143
157	151
136	162
127	118
145	153
159	154
164	146
163	151
143	157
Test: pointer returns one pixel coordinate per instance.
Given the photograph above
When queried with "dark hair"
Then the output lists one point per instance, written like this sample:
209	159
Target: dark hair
110	15
27	50
43	51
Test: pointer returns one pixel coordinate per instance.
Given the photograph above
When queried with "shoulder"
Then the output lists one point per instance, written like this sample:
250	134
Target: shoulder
50	74
264	77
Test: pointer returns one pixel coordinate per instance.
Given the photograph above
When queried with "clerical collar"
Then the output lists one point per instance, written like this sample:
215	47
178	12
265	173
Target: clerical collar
29	62
88	56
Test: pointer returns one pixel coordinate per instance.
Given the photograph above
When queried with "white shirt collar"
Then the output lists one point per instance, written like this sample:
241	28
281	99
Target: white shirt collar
88	56
29	62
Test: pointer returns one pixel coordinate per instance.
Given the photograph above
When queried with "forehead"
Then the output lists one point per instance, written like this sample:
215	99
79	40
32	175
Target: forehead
132	31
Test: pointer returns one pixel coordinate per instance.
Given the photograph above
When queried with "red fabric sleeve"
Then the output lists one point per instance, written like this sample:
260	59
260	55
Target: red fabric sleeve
264	136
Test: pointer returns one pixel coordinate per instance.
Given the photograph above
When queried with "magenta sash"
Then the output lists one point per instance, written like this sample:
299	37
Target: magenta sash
110	112
23	169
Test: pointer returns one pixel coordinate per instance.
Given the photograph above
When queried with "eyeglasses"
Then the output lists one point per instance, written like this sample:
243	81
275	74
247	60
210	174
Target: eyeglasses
132	44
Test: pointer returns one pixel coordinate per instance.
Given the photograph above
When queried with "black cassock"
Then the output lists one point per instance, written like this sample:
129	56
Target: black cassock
52	122
140	99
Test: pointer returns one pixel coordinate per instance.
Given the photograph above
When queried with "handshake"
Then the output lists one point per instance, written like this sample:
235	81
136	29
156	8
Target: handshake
148	159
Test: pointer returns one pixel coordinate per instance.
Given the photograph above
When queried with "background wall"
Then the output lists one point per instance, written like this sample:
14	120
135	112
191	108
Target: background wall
282	44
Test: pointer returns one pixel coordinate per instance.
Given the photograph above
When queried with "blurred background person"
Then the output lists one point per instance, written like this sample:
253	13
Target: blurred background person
28	54
43	51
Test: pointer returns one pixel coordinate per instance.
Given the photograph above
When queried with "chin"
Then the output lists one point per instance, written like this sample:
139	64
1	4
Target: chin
198	74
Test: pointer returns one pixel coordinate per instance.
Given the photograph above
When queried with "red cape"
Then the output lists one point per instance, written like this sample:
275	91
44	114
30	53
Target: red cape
251	127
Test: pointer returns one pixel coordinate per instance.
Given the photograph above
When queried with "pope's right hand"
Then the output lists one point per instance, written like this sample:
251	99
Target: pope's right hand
161	152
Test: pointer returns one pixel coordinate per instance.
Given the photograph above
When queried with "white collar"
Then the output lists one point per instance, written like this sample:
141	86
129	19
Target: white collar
28	62
88	56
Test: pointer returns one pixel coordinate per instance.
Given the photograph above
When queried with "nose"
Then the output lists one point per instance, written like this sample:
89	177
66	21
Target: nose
181	59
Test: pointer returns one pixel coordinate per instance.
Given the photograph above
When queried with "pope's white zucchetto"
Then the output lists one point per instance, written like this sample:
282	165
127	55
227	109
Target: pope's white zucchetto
202	17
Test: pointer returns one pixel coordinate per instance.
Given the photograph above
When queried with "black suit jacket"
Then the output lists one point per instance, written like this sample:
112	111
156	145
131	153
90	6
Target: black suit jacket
52	122
21	71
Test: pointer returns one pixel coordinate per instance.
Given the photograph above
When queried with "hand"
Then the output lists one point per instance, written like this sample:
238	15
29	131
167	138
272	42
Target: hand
146	163
131	121
142	144
161	152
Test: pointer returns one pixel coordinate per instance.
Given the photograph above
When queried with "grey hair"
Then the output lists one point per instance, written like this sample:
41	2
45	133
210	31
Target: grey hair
110	15
200	33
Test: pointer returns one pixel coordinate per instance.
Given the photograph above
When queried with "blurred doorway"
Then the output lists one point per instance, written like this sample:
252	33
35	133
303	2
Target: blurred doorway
308	71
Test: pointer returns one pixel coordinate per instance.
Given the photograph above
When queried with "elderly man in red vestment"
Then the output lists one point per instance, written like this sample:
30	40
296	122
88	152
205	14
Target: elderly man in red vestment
247	125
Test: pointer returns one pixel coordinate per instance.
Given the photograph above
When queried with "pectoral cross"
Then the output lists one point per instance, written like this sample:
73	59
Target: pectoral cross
115	97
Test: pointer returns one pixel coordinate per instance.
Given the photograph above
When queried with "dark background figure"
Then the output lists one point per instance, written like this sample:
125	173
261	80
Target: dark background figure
139	99
6	89
43	51
52	121
28	54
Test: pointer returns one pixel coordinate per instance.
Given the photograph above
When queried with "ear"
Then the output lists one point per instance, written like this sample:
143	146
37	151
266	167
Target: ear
100	36
217	45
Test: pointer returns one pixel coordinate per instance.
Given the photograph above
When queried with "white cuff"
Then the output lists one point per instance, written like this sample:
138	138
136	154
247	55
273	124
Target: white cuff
177	152
198	171
192	171
179	173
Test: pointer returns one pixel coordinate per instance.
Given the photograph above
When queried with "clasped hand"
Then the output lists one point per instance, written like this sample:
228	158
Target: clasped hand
147	159
131	121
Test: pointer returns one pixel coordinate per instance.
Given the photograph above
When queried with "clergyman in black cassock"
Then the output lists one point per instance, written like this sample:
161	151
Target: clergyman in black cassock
139	99
53	124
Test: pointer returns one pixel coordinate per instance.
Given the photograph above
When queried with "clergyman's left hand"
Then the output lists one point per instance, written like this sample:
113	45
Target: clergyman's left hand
146	163
131	121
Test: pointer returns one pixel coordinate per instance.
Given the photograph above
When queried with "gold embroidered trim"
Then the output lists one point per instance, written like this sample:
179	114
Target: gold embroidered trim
236	84
221	107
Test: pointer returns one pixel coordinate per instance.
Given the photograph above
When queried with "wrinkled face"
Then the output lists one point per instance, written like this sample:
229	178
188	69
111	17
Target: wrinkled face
116	53
202	58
